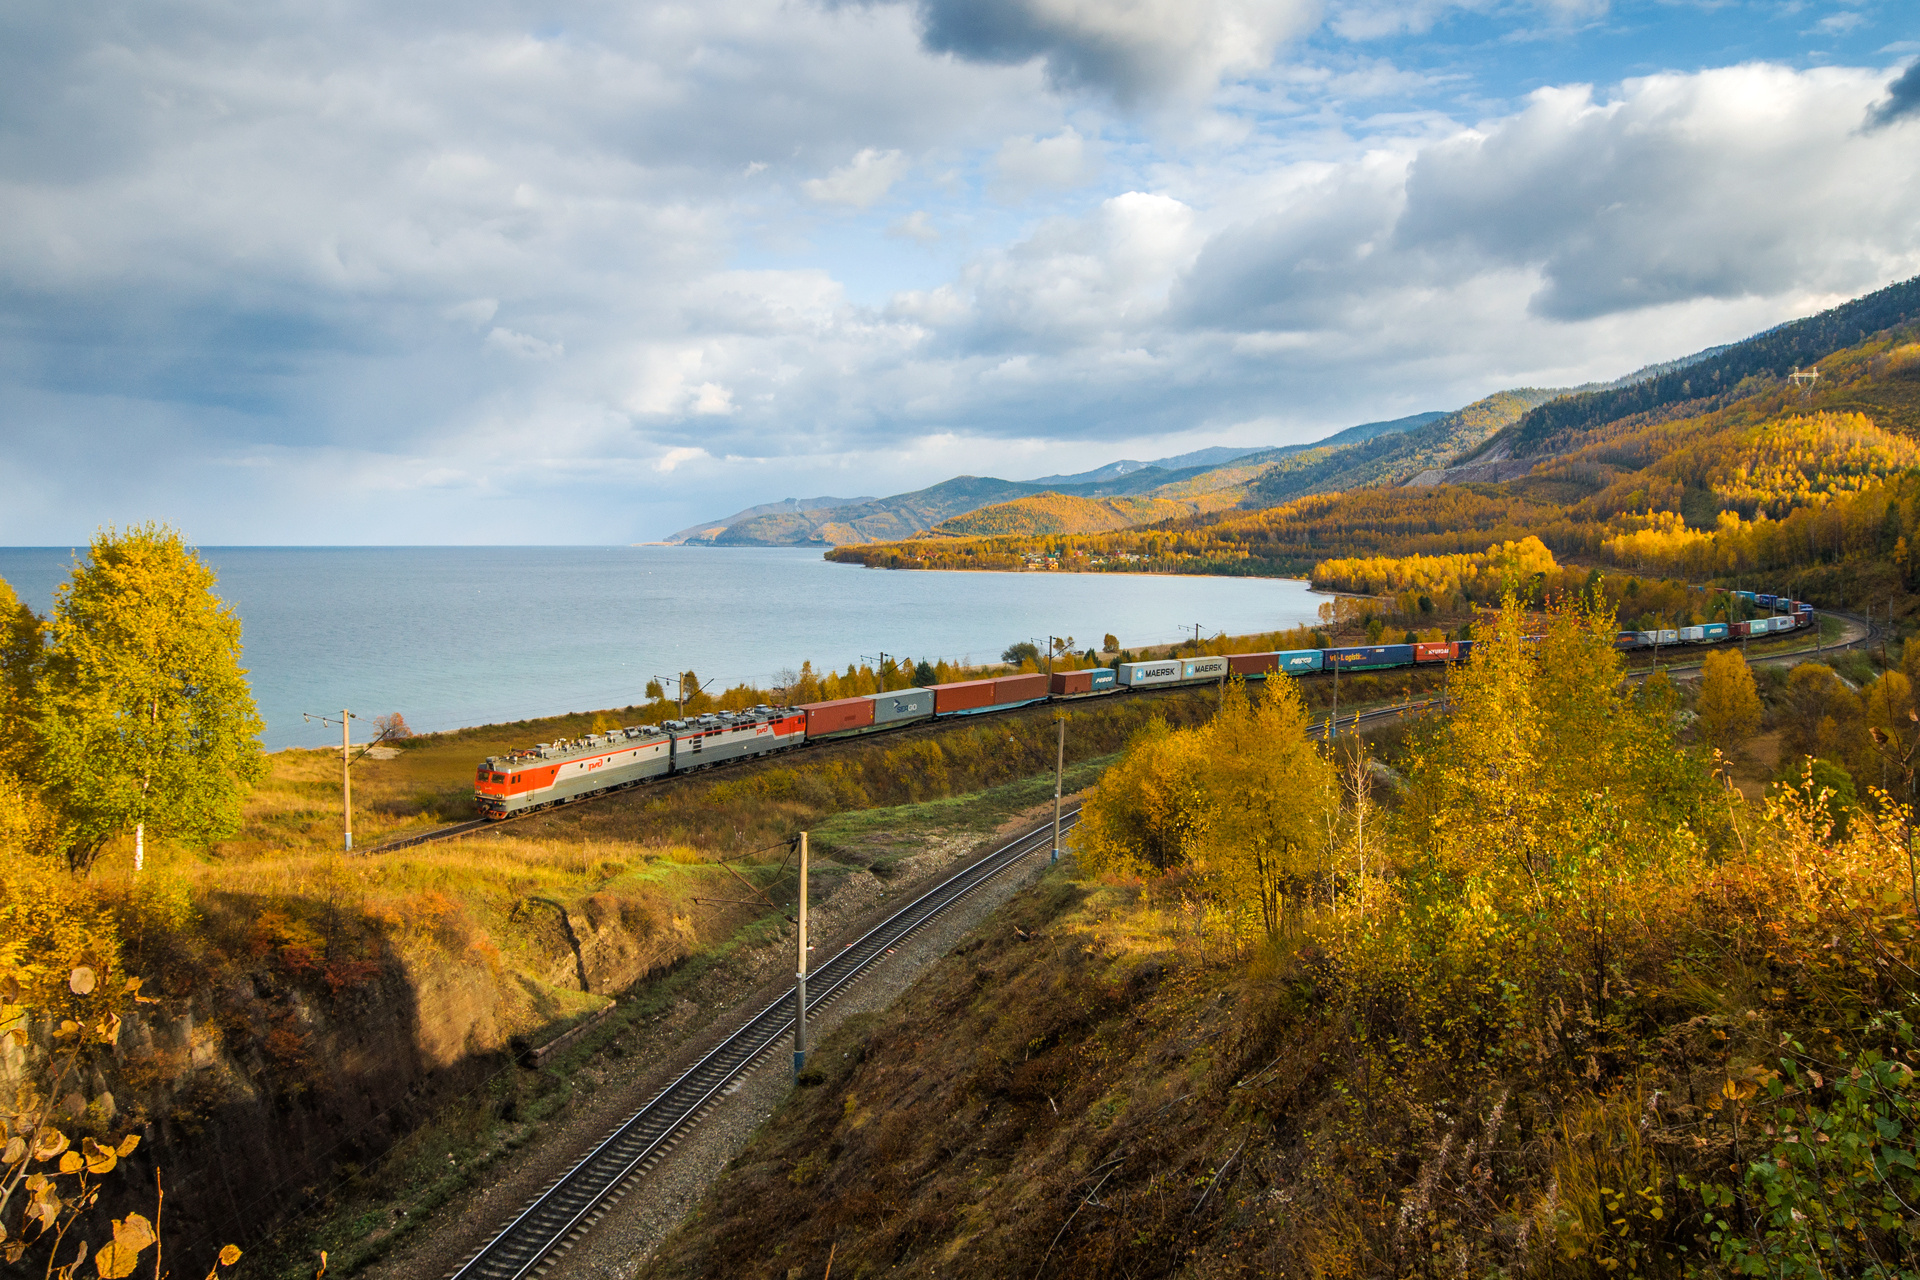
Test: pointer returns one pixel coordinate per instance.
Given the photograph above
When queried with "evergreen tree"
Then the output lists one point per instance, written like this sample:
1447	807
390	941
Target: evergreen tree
144	714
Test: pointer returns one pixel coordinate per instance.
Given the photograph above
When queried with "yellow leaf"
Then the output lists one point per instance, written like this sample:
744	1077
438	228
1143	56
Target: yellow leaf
127	1144
80	981
49	1143
118	1259
229	1255
16	1151
71	1162
99	1159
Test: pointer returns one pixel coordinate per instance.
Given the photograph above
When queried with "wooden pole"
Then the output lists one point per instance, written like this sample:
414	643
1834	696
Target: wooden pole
346	778
800	973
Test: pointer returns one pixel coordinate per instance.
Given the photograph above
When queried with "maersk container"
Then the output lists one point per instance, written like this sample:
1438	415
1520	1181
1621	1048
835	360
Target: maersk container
1433	651
838	716
902	704
1369	657
1713	631
1253	665
1135	674
1008	690
1203	668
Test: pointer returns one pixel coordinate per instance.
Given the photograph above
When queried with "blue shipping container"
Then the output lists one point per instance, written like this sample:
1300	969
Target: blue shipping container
1104	680
1366	657
1715	631
1297	661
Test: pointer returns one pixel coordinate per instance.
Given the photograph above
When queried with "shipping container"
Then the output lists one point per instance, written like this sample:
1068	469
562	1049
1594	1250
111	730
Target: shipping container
1432	651
1368	657
1203	668
1627	640
963	695
1462	650
902	705
1077	684
1714	631
1008	690
1744	595
1070	684
1739	630
839	716
1253	665
1692	635
1135	674
1299	662
1764	601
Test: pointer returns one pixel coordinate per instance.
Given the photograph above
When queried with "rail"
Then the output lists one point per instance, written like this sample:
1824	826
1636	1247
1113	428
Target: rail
573	1201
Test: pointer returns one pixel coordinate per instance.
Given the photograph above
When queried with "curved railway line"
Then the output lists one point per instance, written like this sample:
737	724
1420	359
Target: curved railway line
579	1197
570	1205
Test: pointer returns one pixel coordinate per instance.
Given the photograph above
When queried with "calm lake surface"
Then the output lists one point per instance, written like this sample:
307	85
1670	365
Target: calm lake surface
456	636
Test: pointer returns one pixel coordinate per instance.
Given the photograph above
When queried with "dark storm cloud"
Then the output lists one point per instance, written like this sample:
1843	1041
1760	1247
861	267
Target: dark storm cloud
1903	99
1143	51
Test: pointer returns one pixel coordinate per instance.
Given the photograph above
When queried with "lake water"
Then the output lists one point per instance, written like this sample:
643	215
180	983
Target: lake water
456	636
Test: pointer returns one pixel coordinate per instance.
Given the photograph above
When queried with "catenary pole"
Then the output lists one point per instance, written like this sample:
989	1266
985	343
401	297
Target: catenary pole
800	973
346	778
1059	771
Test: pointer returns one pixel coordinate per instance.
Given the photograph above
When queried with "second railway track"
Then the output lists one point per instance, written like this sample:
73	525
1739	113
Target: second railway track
576	1199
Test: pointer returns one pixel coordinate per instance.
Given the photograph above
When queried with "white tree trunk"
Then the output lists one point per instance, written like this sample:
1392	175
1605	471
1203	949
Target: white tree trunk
139	846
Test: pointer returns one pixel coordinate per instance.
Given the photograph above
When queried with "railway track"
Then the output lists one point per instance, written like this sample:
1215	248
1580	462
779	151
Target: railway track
578	1198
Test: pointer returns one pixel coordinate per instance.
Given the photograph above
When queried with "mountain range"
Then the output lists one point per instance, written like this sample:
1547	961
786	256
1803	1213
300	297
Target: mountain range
1497	438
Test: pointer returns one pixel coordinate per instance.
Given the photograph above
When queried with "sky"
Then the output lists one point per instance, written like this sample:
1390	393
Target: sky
568	271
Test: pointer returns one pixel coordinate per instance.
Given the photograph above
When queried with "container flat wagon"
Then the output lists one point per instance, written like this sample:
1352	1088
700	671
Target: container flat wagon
554	773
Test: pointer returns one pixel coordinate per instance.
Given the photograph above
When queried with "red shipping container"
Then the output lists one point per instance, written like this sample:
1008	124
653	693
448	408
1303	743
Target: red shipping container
1433	651
833	717
1070	682
1020	688
1252	664
965	695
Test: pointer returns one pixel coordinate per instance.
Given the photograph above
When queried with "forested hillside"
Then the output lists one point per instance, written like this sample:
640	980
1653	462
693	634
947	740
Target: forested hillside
1814	484
1534	990
1554	427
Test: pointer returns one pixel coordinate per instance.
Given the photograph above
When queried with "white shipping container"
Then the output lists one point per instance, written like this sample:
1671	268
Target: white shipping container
1203	668
1135	674
1692	635
1669	637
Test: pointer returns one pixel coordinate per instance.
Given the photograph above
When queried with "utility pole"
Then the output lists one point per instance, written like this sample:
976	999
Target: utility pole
1059	770
346	779
1050	643
800	973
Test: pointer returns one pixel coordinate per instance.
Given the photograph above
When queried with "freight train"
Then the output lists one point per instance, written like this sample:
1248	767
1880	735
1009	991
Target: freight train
554	773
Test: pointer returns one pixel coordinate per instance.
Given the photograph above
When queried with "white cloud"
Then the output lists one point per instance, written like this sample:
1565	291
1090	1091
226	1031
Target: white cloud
525	344
1060	162
916	226
860	182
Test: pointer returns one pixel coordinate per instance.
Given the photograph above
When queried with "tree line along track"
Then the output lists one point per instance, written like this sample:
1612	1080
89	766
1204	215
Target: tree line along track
578	1197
